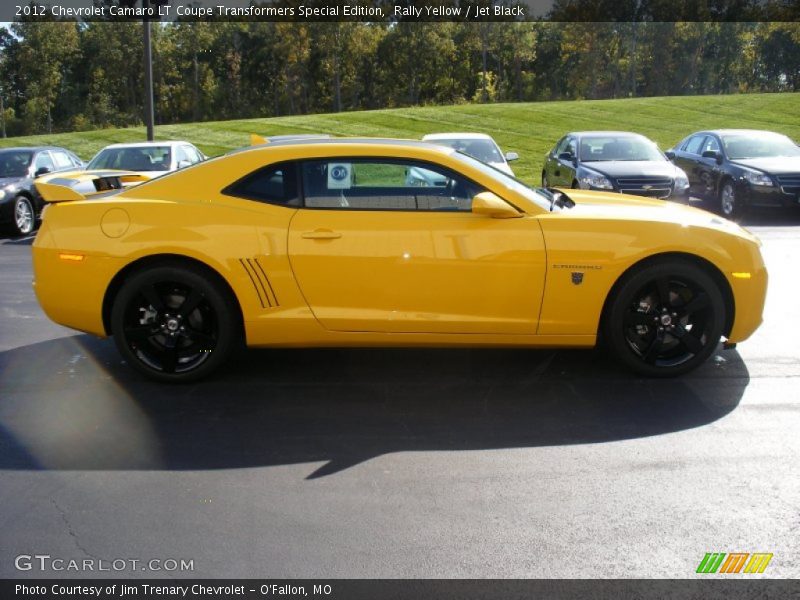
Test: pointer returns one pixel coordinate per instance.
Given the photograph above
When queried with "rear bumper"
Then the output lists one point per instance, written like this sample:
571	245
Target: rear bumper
71	292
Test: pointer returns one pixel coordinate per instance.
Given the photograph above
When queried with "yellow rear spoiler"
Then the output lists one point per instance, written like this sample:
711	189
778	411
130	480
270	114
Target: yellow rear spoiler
80	186
257	140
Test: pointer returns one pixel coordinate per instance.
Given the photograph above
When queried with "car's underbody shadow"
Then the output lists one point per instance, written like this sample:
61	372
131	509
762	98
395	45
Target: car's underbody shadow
69	404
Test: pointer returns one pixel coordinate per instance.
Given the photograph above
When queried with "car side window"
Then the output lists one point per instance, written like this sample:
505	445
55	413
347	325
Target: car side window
194	154
182	155
44	161
710	144
384	184
61	159
76	162
693	147
274	184
566	145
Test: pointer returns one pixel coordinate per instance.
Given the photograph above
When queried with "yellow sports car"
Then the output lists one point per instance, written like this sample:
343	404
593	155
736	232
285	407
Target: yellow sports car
333	242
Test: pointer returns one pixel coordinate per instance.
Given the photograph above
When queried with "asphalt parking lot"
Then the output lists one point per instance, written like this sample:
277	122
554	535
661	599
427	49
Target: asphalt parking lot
401	463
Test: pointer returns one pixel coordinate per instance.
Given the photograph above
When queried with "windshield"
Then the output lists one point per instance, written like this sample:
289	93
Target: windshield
15	163
758	145
136	158
538	196
484	150
628	148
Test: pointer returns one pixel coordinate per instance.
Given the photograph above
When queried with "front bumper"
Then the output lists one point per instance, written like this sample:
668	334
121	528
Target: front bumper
768	195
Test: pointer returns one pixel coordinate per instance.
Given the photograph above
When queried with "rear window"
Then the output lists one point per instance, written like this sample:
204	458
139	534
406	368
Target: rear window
275	184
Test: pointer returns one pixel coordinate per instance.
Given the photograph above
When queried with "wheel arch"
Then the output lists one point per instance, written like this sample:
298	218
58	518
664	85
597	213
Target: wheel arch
710	268
154	260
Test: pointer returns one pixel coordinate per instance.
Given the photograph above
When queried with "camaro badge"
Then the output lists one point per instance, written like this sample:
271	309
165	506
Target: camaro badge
577	277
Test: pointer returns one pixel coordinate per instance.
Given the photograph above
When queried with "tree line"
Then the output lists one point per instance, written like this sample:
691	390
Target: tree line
66	76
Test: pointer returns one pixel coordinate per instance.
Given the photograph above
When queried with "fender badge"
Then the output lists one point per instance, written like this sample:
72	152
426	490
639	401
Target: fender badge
577	277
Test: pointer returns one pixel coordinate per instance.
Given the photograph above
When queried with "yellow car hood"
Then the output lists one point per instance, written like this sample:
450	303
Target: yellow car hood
611	205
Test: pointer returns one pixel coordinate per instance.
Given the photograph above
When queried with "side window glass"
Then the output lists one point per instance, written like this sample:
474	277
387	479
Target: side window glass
181	155
61	159
378	184
275	184
710	144
43	160
572	147
194	155
563	145
693	147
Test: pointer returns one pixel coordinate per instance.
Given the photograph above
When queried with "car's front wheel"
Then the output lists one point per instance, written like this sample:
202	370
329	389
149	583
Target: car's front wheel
174	323
729	205
665	319
24	221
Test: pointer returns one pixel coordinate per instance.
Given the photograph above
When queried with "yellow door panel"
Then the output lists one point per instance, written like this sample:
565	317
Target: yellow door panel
426	272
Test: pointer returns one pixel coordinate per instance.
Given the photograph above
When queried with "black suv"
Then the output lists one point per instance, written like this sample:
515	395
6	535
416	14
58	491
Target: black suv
20	204
739	168
614	161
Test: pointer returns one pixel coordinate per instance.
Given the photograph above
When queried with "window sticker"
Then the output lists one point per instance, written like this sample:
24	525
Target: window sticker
340	176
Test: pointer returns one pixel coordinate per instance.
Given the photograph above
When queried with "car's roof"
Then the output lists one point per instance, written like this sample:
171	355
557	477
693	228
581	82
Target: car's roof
298	136
388	142
31	148
456	136
147	144
605	133
738	131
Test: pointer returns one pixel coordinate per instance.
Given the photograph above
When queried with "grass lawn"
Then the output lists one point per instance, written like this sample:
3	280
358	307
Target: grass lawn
530	129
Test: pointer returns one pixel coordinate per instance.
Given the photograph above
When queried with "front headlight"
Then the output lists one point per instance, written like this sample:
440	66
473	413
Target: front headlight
595	180
757	177
681	181
2	194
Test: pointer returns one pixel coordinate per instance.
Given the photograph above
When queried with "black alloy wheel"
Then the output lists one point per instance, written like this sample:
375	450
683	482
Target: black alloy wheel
174	323
666	319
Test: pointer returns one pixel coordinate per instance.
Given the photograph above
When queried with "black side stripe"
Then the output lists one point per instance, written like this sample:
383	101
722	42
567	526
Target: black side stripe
261	284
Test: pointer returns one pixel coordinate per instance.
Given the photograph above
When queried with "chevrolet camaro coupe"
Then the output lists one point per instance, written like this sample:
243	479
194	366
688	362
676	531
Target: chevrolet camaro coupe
324	243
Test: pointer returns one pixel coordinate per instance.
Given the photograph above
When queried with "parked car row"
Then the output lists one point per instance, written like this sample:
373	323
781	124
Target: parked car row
20	202
733	168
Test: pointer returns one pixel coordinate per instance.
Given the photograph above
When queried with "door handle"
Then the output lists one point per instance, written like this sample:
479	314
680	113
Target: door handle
321	234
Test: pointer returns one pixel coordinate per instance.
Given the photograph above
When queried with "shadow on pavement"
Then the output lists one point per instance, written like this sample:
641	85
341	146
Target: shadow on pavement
69	404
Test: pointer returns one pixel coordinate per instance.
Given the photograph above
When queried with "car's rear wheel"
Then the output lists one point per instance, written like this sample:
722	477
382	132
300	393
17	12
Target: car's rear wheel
174	323
24	221
665	319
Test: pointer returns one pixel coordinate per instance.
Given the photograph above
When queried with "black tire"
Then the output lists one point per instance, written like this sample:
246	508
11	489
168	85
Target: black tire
175	323
654	317
23	220
575	185
729	205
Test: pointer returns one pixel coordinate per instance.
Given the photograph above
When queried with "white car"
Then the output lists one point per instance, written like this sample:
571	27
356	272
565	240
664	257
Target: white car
153	158
477	145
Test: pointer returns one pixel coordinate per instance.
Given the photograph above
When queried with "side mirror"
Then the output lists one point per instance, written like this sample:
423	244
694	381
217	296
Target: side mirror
566	156
670	154
183	163
491	205
511	156
713	154
41	171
